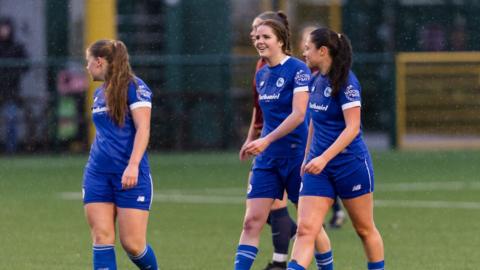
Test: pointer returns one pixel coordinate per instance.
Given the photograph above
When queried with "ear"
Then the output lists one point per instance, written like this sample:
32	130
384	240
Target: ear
323	50
99	61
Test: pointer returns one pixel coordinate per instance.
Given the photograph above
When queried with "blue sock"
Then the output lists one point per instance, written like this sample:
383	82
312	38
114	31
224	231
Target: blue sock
245	256
376	265
104	257
282	227
293	265
146	260
324	260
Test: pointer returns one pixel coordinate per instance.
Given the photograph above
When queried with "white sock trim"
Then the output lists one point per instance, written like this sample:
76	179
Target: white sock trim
279	257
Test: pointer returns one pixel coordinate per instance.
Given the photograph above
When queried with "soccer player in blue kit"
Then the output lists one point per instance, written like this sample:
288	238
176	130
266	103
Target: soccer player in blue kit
337	162
283	96
283	227
117	185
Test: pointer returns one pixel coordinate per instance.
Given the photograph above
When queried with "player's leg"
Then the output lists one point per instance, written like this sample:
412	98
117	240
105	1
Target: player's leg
101	219
356	191
133	207
283	228
311	213
360	210
132	228
256	214
100	214
317	194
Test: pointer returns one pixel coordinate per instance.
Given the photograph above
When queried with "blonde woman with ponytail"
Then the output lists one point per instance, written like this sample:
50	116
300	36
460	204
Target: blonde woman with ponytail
117	185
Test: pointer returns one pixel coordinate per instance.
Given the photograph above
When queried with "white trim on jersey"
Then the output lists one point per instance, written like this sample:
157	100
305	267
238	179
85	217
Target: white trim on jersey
140	104
284	60
101	109
301	89
351	105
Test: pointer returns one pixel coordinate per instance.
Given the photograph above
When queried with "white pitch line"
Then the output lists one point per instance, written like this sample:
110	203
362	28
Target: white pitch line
428	186
427	204
205	199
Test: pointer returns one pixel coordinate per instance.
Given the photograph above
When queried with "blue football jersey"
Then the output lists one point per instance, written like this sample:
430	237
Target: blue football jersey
276	87
326	113
113	145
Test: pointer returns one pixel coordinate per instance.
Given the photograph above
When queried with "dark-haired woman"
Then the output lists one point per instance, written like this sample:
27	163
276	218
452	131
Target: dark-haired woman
337	162
117	185
282	86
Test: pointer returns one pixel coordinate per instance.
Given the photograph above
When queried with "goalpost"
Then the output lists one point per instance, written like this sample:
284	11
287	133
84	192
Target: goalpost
438	100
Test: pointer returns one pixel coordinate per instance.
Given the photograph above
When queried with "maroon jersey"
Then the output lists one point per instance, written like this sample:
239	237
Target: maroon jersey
258	116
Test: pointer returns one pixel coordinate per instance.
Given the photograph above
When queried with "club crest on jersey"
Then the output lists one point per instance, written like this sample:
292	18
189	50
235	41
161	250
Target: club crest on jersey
351	93
280	82
327	92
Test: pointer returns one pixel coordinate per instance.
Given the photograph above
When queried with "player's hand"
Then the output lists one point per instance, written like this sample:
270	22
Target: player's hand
316	165
130	176
243	155
257	146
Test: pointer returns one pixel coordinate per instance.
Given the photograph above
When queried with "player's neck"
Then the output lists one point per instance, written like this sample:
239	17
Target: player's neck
275	60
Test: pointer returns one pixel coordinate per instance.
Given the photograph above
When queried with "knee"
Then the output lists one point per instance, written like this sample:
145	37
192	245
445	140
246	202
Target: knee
365	232
252	224
103	236
133	246
306	229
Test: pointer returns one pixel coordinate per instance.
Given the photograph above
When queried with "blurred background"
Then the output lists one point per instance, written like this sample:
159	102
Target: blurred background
419	65
416	60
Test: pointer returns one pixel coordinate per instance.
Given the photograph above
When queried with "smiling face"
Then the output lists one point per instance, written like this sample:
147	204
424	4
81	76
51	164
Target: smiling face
316	58
267	43
97	67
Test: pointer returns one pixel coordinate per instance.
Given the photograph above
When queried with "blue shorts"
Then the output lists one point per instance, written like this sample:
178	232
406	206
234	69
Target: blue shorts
107	187
272	176
347	177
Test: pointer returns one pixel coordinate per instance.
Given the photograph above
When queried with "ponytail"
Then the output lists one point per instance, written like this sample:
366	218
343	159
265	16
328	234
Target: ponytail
340	50
119	75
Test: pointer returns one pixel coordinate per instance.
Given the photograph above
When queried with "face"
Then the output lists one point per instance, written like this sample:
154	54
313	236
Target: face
255	24
97	67
267	43
314	57
5	31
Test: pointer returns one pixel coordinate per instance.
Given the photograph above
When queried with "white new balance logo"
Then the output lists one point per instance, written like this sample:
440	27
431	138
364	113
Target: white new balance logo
357	187
141	199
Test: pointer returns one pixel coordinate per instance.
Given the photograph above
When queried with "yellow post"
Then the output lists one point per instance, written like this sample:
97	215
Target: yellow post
100	23
335	18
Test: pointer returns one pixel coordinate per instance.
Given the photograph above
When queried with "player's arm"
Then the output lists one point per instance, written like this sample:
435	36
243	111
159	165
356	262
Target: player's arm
252	135
296	117
307	147
352	128
141	118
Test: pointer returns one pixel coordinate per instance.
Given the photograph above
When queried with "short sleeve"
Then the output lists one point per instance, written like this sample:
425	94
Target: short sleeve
302	79
139	95
350	96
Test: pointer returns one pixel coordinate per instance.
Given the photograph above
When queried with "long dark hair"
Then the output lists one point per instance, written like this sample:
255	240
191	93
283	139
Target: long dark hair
119	75
340	50
282	33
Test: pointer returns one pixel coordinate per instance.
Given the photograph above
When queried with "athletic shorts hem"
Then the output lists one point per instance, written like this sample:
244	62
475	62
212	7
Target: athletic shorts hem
356	195
316	195
146	208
